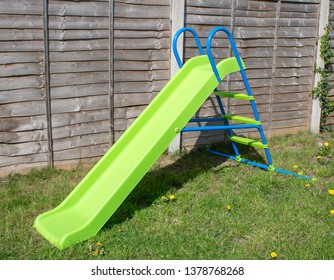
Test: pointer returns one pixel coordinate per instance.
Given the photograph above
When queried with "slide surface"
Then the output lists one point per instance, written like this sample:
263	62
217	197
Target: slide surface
89	206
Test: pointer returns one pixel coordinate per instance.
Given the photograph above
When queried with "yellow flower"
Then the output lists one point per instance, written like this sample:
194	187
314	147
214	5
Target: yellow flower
326	144
273	255
172	197
307	185
331	211
99	244
300	173
96	252
331	192
295	166
318	157
229	207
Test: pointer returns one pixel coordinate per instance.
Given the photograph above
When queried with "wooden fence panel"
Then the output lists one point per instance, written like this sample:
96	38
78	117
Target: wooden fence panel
294	66
79	79
141	57
23	137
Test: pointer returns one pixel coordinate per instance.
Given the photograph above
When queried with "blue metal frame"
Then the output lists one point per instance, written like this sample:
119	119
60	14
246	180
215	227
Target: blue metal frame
262	166
226	125
219	127
176	37
243	75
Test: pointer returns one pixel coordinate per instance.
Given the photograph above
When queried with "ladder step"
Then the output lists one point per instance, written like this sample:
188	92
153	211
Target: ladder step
249	142
234	95
241	119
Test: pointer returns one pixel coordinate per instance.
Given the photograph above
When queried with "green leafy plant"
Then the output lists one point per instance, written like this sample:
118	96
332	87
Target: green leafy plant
321	90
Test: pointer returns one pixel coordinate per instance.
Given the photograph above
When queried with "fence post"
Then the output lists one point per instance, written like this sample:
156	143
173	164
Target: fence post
315	106
47	82
111	71
177	21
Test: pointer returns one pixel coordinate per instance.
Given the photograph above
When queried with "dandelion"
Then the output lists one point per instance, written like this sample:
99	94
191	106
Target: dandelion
295	166
307	185
229	207
326	144
300	173
172	197
318	157
99	244
273	255
331	192
331	212
96	252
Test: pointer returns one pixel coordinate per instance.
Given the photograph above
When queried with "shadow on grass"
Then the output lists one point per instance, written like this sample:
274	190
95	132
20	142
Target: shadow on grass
168	179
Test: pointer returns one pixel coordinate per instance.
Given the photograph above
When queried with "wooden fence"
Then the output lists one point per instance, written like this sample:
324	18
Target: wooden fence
75	74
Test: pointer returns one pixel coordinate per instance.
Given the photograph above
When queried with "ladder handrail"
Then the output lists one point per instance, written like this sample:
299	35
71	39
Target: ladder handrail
176	37
234	50
237	56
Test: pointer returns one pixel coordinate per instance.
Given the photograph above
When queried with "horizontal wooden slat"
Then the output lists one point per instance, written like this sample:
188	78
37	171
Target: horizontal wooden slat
140	11
22	149
21	35
144	2
20	95
29	108
80	104
81	90
11	83
20	57
148	24
19	21
80	8
65	35
28	161
78	23
15	7
74	118
22	46
141	76
22	136
139	44
140	66
69	79
81	153
79	45
81	129
73	56
81	141
24	69
143	87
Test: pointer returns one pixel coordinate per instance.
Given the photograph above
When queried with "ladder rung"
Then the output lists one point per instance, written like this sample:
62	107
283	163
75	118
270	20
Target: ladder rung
234	95
249	142
241	119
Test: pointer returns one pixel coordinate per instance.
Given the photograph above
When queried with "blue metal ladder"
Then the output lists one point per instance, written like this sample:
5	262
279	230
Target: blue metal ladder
244	122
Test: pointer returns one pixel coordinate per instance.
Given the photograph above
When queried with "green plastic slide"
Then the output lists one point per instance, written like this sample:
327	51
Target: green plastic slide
89	206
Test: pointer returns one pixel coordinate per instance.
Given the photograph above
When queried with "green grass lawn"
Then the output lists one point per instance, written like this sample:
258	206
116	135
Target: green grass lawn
269	212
